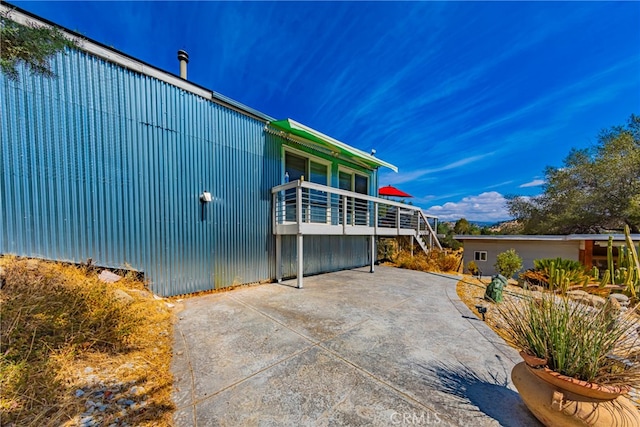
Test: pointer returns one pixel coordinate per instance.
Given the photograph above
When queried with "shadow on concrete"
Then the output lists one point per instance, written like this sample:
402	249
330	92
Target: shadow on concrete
489	392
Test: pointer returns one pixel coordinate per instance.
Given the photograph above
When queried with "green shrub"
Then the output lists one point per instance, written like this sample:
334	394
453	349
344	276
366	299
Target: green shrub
508	263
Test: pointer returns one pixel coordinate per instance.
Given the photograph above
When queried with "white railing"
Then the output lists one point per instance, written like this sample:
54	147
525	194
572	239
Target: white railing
301	207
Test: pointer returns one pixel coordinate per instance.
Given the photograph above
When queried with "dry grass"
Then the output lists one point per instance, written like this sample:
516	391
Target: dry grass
64	330
435	260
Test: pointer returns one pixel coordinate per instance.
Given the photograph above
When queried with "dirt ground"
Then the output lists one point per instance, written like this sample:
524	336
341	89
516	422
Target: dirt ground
471	291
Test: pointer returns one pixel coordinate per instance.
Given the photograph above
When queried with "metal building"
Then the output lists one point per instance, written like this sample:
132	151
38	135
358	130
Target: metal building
135	168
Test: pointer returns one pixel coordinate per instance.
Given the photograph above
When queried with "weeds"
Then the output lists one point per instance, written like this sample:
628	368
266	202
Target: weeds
56	319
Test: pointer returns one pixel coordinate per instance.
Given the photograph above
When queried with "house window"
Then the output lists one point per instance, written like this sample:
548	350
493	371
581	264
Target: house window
315	204
480	255
357	210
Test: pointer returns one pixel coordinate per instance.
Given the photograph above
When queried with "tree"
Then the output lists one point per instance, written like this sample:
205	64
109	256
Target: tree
30	44
598	189
463	226
445	233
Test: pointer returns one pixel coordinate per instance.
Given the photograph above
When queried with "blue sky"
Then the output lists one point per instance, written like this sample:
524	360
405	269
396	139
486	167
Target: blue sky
471	100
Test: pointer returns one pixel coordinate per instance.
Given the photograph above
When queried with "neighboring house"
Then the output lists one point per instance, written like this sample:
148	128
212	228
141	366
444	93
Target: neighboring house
589	249
135	168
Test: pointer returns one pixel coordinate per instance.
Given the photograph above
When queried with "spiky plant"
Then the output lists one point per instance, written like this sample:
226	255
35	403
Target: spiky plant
591	344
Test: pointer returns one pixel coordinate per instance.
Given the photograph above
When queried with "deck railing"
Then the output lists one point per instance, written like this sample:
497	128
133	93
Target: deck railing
302	207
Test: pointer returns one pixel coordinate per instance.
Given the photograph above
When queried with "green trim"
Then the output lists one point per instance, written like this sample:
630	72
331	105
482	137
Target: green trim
296	129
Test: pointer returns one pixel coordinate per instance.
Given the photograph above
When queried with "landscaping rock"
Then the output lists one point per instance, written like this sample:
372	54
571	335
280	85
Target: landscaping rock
595	301
622	299
108	277
586	298
136	390
122	296
33	264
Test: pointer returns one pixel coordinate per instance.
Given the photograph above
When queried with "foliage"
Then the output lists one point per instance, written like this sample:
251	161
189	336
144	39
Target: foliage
55	320
445	236
31	44
577	340
472	268
597	189
557	273
435	260
387	249
463	226
508	263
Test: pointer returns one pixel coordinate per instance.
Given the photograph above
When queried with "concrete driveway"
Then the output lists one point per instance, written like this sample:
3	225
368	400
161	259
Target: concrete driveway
396	347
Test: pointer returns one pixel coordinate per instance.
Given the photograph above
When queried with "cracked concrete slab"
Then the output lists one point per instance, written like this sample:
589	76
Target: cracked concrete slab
396	347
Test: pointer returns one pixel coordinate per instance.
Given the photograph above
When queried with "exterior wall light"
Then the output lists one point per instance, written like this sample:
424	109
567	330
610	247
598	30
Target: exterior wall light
205	197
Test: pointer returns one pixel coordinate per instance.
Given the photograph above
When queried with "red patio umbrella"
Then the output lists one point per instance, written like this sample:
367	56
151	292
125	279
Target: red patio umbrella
392	191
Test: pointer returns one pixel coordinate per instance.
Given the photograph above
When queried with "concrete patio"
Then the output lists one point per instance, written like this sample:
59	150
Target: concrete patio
396	347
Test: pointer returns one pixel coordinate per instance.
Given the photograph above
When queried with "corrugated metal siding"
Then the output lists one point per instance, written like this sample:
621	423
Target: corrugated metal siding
325	253
107	164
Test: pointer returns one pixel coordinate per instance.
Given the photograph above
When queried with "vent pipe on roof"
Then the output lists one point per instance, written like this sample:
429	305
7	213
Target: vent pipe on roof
183	57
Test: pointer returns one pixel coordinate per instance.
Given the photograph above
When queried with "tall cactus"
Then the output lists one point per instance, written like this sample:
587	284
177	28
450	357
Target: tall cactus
634	268
605	278
610	259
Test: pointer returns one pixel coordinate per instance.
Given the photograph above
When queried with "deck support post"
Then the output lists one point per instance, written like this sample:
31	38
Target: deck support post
373	253
300	246
300	242
279	258
412	246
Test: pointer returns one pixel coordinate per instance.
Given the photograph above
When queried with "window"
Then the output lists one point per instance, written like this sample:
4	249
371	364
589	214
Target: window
357	210
315	204
480	255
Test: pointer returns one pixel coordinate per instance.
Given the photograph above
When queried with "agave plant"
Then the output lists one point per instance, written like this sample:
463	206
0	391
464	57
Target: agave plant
557	273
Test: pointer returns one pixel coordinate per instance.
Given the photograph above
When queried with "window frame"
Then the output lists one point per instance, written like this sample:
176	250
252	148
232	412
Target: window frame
309	157
308	211
353	173
356	215
478	256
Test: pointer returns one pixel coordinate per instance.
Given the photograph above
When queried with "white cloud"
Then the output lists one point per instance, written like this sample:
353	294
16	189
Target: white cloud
534	183
488	206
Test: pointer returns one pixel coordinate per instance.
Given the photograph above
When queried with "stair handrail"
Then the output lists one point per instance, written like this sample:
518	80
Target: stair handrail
426	221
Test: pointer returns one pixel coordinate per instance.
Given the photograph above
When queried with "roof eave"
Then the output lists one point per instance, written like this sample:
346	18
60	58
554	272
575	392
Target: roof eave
373	162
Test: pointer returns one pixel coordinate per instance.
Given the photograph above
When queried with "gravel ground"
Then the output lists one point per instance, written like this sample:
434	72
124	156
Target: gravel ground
107	401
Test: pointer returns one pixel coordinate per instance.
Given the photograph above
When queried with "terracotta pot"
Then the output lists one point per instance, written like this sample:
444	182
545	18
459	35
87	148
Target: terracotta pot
556	401
537	366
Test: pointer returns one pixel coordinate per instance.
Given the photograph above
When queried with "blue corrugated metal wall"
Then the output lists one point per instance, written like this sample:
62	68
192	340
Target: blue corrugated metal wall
325	253
108	164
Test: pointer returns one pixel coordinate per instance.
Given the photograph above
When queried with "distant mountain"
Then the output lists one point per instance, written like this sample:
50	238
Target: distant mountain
502	227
